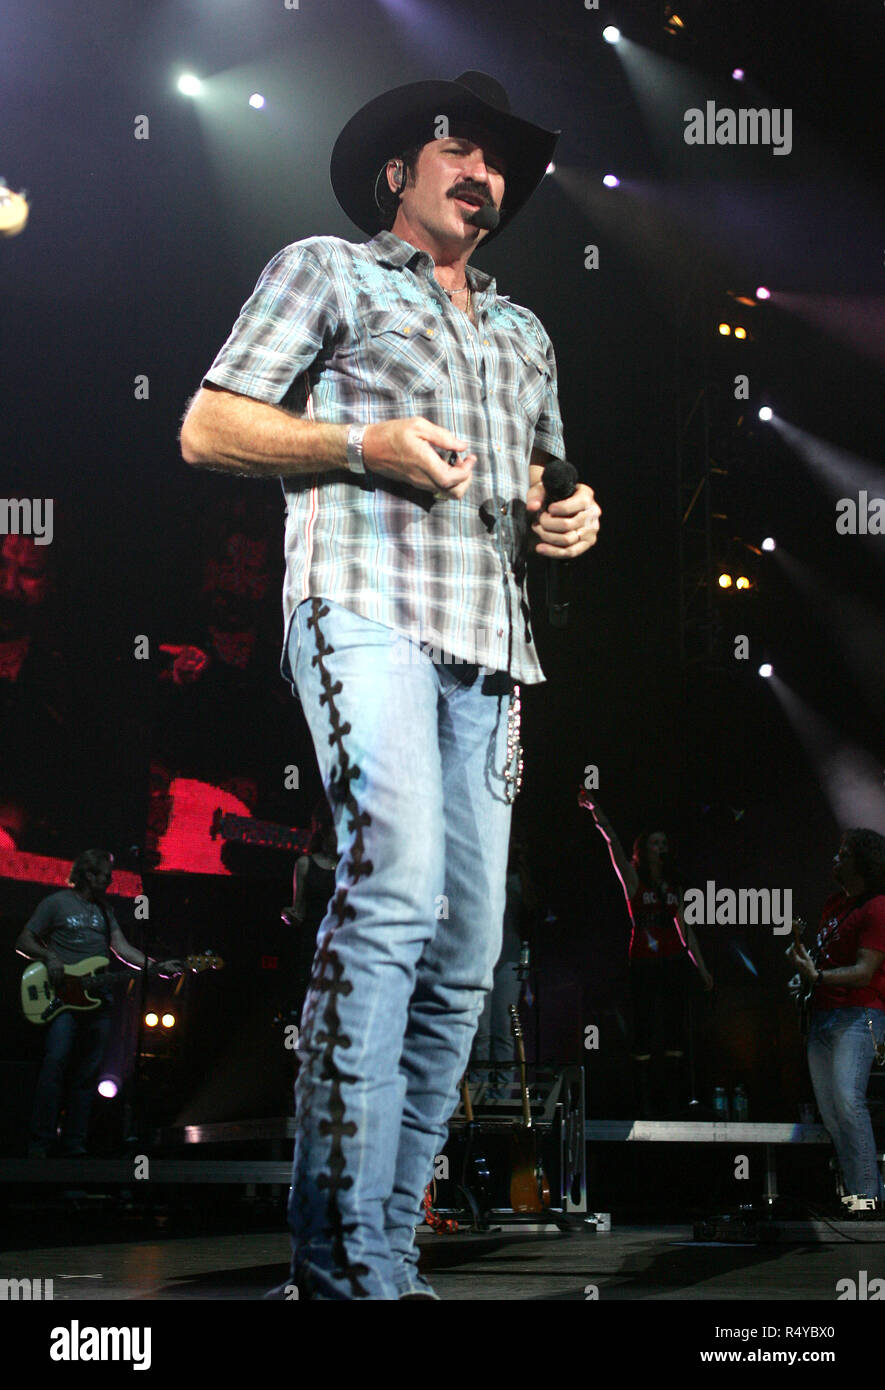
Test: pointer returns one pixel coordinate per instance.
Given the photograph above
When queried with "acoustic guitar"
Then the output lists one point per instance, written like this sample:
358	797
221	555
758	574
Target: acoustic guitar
529	1188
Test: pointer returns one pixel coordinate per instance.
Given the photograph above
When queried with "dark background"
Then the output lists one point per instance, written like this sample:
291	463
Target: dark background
137	258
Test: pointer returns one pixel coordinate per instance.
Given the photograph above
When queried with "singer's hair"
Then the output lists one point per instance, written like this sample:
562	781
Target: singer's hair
868	848
388	201
88	862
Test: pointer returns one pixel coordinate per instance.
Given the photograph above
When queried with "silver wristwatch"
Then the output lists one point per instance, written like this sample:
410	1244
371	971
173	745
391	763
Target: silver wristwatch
354	450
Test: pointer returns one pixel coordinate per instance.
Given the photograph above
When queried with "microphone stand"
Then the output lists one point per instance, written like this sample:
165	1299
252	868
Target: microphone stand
132	1119
692	1078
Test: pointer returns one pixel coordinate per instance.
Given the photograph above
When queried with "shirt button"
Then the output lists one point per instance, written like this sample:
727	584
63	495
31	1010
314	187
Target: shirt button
407	330
430	332
500	632
485	342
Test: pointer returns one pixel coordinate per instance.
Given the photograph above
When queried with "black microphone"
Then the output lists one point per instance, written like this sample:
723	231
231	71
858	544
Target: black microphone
559	480
486	217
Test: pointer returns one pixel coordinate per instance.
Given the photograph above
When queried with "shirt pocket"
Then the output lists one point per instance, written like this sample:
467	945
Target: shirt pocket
404	353
533	381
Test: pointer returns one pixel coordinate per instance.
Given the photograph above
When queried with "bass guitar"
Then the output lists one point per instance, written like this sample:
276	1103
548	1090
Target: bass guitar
529	1188
41	1003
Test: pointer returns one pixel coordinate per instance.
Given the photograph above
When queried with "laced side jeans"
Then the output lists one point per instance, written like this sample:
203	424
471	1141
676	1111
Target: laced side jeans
412	754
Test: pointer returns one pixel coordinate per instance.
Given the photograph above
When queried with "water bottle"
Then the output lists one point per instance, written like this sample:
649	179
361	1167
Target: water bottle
720	1103
740	1106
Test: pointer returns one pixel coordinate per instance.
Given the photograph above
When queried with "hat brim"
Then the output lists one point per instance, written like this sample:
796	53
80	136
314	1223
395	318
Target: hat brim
406	116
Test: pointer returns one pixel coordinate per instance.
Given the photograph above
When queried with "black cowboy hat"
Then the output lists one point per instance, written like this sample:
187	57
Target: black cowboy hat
397	120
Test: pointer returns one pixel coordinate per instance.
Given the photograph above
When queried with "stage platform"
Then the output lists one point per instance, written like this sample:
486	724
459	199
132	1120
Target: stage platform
733	1133
632	1263
277	1132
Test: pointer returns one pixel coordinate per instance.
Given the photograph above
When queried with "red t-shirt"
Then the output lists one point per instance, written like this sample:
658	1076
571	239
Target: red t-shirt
655	934
844	930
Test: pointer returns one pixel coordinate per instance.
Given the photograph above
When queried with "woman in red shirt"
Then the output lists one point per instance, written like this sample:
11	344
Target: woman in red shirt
661	947
848	1011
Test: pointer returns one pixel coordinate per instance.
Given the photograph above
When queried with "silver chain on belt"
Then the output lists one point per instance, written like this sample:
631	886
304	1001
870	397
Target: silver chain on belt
513	781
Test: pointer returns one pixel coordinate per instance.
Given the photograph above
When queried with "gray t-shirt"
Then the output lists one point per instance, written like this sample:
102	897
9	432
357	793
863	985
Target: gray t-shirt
73	928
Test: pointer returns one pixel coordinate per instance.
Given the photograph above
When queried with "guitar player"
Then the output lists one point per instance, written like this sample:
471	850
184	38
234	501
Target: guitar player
67	927
847	973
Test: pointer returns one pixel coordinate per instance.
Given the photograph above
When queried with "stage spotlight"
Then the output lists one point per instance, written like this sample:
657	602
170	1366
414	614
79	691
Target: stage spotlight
611	180
763	292
551	168
168	1020
108	1087
766	413
737	74
189	85
725	329
742	582
740	332
769	543
256	100
674	23
611	33
151	1020
725	581
766	670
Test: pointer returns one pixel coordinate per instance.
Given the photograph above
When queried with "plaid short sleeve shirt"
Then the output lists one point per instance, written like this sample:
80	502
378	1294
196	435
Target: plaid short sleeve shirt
354	333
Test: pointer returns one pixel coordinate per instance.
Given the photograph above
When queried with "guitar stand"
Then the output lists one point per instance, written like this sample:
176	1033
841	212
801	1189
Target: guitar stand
557	1106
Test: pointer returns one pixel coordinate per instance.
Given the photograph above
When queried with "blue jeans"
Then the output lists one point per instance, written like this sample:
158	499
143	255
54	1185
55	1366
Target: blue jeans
412	752
86	1035
840	1055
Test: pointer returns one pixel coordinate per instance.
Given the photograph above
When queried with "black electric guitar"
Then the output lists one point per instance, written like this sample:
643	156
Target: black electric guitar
475	1182
41	1003
529	1188
802	989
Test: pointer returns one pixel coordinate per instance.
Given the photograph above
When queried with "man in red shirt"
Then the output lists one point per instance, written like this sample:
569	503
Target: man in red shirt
847	969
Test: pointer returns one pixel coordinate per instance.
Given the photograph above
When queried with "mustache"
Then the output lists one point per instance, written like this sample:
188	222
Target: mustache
471	190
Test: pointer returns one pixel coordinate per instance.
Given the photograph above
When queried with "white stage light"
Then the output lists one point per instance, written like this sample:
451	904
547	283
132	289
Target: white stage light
189	85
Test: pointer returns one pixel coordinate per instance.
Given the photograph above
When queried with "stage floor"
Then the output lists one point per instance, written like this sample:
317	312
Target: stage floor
636	1262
